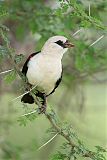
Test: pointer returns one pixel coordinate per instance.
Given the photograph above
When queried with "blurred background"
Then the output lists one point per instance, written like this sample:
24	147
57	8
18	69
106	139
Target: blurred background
80	99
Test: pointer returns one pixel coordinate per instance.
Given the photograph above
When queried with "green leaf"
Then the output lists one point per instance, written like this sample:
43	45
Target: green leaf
3	51
100	149
85	24
26	118
19	58
3	12
3	27
22	121
10	77
59	156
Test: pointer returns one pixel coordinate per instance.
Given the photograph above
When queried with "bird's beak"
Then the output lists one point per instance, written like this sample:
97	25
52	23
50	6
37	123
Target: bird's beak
68	44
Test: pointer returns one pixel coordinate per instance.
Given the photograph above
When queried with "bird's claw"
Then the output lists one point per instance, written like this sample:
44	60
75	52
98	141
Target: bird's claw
29	86
42	109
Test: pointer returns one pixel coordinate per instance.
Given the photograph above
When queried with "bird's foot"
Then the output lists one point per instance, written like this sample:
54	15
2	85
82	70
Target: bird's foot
29	86
42	109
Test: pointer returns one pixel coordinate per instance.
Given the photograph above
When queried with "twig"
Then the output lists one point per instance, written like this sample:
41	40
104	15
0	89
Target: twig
59	130
84	16
47	142
11	55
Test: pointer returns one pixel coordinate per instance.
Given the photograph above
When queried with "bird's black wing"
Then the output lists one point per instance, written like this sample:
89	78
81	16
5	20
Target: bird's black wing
25	67
27	98
57	84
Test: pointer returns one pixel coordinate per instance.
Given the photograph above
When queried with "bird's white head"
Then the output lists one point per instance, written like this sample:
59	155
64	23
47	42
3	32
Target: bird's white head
56	46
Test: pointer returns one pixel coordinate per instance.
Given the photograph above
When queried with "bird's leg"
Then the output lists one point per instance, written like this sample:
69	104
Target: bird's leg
43	107
29	86
43	102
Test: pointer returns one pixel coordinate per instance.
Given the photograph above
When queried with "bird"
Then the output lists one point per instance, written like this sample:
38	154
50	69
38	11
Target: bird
43	69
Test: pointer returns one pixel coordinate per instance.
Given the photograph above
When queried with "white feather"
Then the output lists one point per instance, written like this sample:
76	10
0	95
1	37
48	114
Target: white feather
44	70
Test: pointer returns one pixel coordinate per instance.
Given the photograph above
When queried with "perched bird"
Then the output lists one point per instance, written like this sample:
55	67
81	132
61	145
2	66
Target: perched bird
43	69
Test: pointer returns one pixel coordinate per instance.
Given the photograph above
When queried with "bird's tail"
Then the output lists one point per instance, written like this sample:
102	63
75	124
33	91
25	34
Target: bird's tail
27	98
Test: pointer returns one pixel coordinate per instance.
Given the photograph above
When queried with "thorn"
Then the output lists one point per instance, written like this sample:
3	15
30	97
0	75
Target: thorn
47	142
20	96
24	93
89	9
77	32
96	41
28	113
6	71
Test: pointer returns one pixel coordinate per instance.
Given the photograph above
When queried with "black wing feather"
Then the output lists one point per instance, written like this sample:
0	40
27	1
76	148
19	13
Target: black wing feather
57	84
25	67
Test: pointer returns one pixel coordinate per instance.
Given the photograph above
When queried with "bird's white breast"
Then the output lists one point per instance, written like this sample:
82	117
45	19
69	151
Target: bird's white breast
44	71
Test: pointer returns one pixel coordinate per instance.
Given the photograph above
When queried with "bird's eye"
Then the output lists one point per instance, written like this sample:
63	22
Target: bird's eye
60	43
67	41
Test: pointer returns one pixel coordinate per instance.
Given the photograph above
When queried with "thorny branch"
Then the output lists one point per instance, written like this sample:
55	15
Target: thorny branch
84	16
